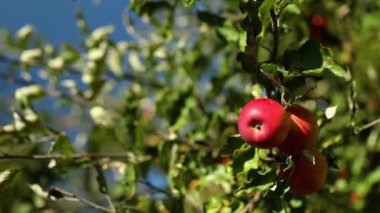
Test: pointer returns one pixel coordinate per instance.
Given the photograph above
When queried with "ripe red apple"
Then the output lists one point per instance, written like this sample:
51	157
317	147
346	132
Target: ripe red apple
263	123
303	133
306	177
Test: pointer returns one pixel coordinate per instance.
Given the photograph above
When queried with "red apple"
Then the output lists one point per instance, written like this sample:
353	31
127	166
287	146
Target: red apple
223	160
307	176
355	197
263	123
303	131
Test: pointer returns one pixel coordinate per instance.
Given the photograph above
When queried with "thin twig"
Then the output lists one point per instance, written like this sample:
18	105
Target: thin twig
103	187
369	125
55	190
251	204
265	47
275	81
157	189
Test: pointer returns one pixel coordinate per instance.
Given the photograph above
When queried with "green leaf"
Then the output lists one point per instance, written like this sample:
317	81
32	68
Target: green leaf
261	178
56	63
256	160
36	188
23	35
101	33
114	61
188	3
372	178
337	70
264	14
30	93
8	39
6	177
240	157
69	53
81	23
317	71
129	181
257	91
173	170
269	68
228	33
102	117
31	56
308	57
62	146
193	202
210	18
233	143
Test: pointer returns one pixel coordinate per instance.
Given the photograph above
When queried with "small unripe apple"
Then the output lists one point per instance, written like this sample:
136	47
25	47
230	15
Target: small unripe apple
263	123
303	133
307	176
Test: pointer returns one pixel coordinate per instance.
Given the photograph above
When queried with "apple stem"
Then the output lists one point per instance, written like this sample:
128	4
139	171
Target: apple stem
257	125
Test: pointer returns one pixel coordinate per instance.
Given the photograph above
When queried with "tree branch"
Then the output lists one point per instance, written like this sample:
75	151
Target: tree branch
369	125
276	34
157	189
103	187
121	155
57	193
251	204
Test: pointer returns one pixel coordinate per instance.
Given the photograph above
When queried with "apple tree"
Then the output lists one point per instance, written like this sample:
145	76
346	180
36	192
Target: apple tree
151	124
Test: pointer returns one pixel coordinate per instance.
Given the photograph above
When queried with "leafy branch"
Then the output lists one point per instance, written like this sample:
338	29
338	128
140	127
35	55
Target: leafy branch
77	156
50	91
56	193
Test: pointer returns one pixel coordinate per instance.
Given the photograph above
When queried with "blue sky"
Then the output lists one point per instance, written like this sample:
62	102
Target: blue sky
55	19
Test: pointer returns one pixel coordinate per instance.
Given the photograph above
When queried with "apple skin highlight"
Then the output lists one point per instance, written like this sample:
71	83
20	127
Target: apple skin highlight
303	133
